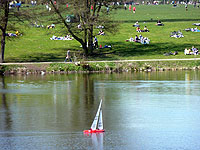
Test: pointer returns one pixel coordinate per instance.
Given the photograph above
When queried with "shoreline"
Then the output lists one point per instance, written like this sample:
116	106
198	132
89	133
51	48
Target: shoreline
100	66
18	63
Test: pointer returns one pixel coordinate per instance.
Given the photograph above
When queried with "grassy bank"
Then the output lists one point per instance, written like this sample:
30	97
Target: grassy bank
99	67
35	44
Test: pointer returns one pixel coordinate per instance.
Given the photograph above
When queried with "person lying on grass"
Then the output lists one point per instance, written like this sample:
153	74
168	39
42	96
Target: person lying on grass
106	46
170	53
17	33
192	29
101	32
37	25
130	40
196	24
176	34
67	37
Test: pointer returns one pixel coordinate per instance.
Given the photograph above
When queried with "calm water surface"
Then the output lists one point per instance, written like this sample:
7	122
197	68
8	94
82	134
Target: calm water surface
141	111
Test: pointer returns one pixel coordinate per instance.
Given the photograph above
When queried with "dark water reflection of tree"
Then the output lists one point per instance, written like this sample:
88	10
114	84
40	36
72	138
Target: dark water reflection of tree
6	115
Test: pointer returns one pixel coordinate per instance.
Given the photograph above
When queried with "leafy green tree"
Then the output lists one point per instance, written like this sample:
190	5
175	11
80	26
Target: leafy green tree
88	14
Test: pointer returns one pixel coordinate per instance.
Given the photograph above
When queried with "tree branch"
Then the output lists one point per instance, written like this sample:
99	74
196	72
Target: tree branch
63	20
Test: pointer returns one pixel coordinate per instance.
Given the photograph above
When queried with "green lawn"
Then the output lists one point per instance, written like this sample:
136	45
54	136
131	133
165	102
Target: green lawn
35	44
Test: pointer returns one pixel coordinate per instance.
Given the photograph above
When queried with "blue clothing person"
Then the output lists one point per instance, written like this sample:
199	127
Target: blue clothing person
95	42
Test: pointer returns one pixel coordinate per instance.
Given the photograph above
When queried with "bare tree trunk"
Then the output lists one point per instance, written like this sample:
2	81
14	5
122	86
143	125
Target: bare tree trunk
90	39
3	43
85	46
3	29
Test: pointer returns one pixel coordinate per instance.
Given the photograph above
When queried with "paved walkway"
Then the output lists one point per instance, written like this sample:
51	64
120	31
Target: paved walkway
32	63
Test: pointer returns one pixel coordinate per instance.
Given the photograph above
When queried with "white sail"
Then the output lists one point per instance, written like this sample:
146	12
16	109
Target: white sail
100	123
94	124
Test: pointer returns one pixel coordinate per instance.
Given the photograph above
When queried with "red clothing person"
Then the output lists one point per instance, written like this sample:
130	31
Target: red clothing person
134	9
130	7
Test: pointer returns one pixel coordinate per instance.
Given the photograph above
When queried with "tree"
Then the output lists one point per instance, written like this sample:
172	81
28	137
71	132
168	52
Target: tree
4	12
88	14
9	16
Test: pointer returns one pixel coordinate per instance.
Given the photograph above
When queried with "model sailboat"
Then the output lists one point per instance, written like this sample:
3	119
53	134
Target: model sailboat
97	125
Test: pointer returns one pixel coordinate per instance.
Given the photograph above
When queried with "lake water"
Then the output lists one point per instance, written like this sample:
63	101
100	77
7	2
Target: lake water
141	111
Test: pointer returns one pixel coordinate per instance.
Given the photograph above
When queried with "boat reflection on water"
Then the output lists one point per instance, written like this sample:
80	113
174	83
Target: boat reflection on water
97	140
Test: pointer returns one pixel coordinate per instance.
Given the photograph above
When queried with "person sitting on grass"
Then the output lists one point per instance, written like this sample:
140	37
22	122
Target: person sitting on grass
52	26
137	39
187	51
17	33
196	52
195	30
144	40
145	29
79	26
100	27
159	23
138	29
136	24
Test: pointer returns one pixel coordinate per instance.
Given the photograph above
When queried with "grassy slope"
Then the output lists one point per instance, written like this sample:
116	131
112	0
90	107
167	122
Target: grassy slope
35	44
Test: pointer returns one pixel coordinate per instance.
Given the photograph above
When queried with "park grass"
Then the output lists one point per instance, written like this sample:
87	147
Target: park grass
35	45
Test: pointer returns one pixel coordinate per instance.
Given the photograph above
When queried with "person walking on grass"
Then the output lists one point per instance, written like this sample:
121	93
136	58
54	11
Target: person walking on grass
134	9
125	7
68	57
186	6
96	43
129	7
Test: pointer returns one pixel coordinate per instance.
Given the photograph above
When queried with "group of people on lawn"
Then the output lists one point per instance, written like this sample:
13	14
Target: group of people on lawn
144	40
140	39
144	30
192	51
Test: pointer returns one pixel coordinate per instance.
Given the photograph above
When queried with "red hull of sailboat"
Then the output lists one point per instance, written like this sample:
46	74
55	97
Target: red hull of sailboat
93	131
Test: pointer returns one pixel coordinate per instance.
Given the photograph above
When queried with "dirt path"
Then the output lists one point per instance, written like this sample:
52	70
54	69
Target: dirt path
35	63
